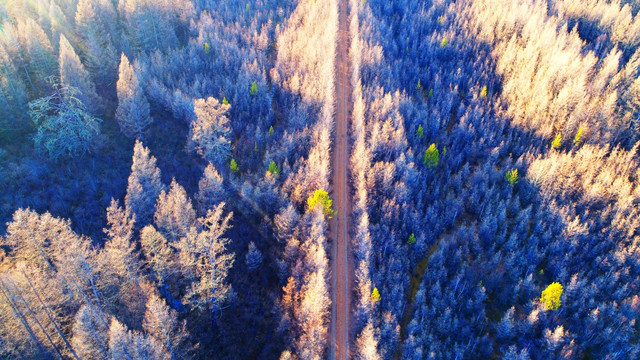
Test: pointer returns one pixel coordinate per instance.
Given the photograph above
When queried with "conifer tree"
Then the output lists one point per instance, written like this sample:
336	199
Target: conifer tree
210	263
209	133
90	334
144	185
253	258
162	323
174	213
159	255
133	108
73	74
64	127
431	156
210	190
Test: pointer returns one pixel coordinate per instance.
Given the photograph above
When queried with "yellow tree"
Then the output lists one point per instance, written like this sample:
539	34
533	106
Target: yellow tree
551	296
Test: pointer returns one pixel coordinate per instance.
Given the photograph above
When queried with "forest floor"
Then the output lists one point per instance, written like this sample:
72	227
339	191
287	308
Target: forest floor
342	264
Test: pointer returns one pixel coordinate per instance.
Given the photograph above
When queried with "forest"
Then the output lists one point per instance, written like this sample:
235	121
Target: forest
166	179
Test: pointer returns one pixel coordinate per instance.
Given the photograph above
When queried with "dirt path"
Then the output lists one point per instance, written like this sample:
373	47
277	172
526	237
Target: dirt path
339	229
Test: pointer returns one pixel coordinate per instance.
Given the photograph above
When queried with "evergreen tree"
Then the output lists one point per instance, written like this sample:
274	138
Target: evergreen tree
431	156
210	190
97	25
174	213
210	263
159	255
119	251
64	127
133	107
90	333
73	74
209	133
253	258
162	323
144	185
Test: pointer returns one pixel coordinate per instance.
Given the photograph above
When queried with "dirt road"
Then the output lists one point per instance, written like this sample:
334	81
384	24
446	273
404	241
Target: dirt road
342	264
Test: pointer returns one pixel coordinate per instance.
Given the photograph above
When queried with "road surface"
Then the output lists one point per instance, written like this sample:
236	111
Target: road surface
342	264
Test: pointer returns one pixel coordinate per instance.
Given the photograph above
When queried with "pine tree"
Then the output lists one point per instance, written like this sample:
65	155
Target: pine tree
174	212
273	169
64	127
431	156
367	344
254	88
96	21
133	108
253	258
144	185
73	74
120	254
512	176
412	239
209	133
420	131
210	190
125	344
162	323
578	138
233	166
90	333
159	255
210	263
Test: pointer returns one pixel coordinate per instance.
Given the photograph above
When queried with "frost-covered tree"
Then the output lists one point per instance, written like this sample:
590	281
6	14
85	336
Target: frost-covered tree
133	108
162	323
174	214
127	344
63	125
73	74
210	262
144	185
209	132
90	333
210	190
97	23
121	255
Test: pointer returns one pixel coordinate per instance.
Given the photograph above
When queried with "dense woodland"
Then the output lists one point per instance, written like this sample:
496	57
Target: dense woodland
162	163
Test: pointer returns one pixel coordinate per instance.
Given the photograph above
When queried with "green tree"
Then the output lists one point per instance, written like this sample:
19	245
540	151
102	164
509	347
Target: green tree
63	125
273	168
430	93
375	295
512	177
412	239
419	85
444	42
420	131
254	88
270	130
321	197
557	141
207	48
578	139
233	166
551	296
431	156
225	101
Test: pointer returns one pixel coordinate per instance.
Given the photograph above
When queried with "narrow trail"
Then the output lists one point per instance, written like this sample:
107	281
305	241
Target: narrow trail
342	263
